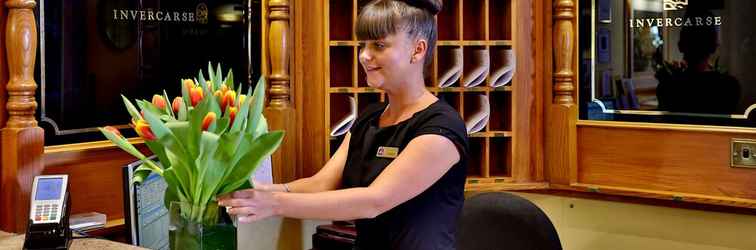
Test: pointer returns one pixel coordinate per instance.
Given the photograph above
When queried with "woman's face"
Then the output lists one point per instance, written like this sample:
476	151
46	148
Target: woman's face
386	61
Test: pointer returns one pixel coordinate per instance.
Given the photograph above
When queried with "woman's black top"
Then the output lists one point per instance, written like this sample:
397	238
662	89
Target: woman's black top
429	220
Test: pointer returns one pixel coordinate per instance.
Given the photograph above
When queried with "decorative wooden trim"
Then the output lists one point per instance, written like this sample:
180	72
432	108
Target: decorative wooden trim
279	111
662	195
78	147
22	139
497	187
564	47
278	41
666	126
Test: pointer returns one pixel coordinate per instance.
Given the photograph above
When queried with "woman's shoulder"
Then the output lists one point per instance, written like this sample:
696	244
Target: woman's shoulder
441	115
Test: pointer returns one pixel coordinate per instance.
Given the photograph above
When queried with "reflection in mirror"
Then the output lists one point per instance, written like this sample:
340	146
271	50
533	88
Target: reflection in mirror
91	52
679	61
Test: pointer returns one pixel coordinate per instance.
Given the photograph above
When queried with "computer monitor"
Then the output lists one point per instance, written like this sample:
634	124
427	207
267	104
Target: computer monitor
146	217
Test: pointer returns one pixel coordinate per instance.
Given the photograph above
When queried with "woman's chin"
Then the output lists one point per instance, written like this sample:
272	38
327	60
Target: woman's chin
374	84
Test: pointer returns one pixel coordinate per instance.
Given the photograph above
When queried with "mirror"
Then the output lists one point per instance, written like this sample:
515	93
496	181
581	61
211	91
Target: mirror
675	61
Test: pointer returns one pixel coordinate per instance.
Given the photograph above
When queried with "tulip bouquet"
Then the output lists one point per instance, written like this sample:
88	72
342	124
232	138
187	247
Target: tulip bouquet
208	141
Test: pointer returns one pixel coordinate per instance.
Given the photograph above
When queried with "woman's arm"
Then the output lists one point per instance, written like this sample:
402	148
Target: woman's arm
328	178
424	161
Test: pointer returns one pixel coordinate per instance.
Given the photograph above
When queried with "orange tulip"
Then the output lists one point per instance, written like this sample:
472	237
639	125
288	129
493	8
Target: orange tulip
159	102
209	118
188	84
143	130
209	85
196	94
232	114
113	130
176	105
228	99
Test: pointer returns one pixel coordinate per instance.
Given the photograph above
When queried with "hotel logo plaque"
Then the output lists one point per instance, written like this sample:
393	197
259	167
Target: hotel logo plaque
675	4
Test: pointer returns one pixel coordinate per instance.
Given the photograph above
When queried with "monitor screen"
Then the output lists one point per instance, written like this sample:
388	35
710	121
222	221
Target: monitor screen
49	189
146	216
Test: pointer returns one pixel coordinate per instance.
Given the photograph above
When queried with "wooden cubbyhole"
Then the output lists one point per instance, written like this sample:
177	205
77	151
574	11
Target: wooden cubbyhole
340	15
365	99
474	20
452	98
470	62
471	105
339	107
341	59
500	157
500	19
477	157
501	111
445	62
498	60
448	21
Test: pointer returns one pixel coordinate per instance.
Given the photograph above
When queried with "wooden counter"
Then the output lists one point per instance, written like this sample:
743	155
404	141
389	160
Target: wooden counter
10	241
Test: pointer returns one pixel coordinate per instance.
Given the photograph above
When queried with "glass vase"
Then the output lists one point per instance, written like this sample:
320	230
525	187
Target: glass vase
200	227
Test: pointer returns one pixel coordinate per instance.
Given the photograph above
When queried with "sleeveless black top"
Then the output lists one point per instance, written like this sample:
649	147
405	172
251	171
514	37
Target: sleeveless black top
429	220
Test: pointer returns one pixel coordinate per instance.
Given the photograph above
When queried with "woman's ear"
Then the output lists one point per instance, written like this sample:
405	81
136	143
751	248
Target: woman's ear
421	46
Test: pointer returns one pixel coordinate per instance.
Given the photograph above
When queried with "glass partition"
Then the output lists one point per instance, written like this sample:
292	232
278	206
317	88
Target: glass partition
91	52
670	61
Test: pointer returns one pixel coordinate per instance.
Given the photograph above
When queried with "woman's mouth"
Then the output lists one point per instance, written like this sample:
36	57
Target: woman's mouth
371	69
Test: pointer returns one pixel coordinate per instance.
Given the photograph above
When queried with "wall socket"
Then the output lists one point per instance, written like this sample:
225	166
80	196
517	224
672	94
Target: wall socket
743	153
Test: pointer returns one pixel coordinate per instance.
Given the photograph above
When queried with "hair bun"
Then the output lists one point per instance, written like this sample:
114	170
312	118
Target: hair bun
432	6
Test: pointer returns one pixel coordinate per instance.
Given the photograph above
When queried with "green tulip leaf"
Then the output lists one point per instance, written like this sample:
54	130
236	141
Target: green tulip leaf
263	147
131	108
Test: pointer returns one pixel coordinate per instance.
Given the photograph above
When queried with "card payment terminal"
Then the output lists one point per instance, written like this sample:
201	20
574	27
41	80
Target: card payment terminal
48	215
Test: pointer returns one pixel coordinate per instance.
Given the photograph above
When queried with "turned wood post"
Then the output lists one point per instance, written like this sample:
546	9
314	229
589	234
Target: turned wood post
23	140
279	110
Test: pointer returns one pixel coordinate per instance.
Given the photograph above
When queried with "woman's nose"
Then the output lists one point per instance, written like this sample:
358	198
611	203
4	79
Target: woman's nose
365	55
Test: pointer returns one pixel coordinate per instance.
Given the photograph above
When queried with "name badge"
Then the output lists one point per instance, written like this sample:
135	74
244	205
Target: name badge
387	152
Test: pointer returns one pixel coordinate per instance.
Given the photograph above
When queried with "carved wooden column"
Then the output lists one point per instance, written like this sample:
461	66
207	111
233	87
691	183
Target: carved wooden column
564	46
23	140
279	111
561	111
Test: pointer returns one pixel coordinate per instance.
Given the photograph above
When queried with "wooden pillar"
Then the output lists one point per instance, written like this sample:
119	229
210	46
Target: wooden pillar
22	139
279	111
561	137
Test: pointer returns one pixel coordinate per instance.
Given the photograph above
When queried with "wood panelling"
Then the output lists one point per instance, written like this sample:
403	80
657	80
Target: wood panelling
663	160
95	178
22	139
309	70
527	123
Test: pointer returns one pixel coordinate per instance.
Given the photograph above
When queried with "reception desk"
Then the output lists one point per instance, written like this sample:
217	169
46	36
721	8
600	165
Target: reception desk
16	241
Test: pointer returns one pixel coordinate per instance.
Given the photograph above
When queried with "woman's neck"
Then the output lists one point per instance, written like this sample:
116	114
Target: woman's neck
403	103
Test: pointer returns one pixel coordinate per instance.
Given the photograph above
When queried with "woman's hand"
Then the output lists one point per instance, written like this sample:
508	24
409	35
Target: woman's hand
250	204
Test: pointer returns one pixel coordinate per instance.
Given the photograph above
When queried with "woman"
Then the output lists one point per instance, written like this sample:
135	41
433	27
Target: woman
400	172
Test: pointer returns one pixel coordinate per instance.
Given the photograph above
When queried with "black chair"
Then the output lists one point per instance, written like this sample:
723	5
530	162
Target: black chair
493	221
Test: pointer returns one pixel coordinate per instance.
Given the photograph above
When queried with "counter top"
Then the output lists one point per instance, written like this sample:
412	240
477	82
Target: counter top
10	241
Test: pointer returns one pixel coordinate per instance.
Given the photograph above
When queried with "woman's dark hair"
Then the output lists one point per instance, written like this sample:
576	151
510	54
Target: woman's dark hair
381	18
